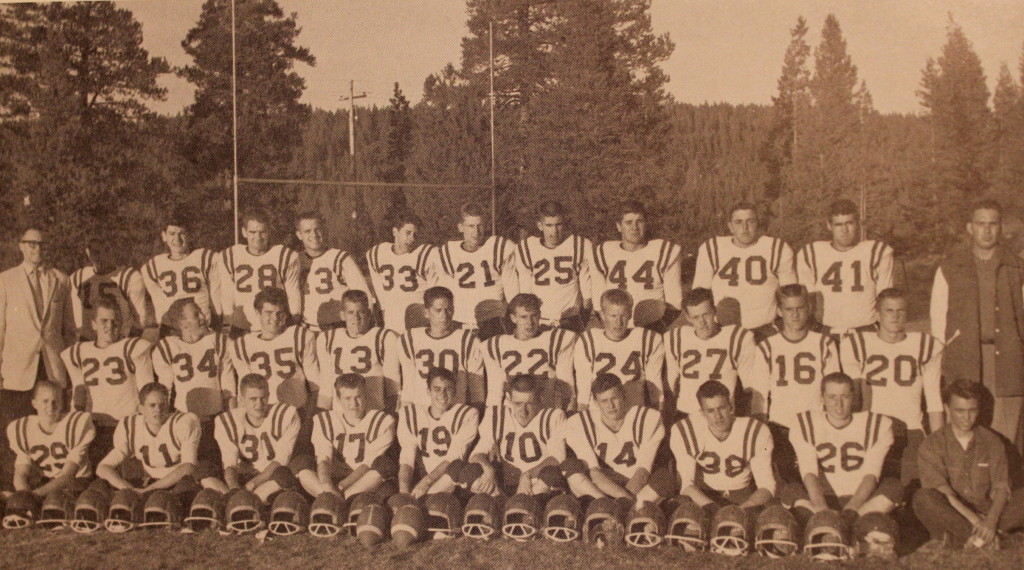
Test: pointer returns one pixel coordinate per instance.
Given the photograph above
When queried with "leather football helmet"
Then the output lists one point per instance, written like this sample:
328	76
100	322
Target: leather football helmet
688	527
523	518
645	527
562	517
289	514
125	511
21	510
603	525
876	535
776	532
825	536
730	534
91	510
444	515
327	515
57	509
408	520
483	516
162	510
373	523
206	512
244	512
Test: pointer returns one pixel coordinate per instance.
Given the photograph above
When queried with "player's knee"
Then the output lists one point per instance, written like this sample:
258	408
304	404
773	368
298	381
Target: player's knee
205	470
663	481
386	466
572	466
790	493
301	463
892	489
284	478
552	477
464	472
99	485
925	499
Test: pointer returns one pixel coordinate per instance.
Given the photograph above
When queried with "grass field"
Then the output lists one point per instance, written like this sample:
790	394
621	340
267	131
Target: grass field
165	549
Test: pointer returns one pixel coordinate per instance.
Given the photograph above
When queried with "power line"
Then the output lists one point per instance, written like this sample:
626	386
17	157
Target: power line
355	183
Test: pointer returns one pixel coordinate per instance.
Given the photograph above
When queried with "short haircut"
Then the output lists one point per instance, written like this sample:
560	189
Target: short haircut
698	296
743	206
551	209
890	293
605	382
177	309
274	295
179	219
437	292
255	215
152	387
631	207
108	302
31	227
791	290
986	204
436	373
617	297
843	207
472	209
711	389
964	389
351	381
355	296
523	383
253	381
105	252
57	388
308	215
403	217
838	378
527	301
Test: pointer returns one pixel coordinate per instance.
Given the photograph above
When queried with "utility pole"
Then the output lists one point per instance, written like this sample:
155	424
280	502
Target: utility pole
352	123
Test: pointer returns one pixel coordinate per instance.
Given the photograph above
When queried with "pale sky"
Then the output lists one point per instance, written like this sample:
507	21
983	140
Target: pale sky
726	50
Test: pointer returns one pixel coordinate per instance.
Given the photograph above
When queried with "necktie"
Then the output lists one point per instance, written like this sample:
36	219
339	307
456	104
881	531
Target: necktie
37	291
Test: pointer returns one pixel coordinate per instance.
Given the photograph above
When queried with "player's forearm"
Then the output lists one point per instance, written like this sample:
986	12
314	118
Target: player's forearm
867	486
638	481
323	474
999	498
758	498
20	482
814	491
172	478
62	480
405	478
231	477
549	461
698	496
935	421
957	504
438	472
356	475
109	474
607	486
266	475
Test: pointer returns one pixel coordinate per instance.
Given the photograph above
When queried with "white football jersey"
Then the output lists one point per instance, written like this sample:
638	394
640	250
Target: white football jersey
111	376
742	459
523	447
198	374
788	374
844	456
374	355
282	360
847	280
400	280
897	374
649	273
49	452
124	285
242	275
691	361
324	280
559	276
176	442
481	281
356	445
748	276
458	352
549	355
638	360
273	440
631	448
168	280
434	440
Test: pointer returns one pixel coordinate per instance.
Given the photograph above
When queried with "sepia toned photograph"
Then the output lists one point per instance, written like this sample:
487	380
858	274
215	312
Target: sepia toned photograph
511	284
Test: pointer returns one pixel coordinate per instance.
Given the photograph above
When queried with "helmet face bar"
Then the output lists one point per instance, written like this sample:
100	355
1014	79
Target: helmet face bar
327	516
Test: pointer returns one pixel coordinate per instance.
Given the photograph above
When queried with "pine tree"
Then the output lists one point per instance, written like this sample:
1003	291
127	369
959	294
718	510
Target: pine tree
791	103
1007	137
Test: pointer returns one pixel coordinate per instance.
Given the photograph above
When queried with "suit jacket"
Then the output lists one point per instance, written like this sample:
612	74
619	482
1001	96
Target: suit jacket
25	335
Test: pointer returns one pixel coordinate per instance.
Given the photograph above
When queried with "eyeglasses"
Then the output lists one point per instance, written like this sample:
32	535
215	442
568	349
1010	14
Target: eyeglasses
33	243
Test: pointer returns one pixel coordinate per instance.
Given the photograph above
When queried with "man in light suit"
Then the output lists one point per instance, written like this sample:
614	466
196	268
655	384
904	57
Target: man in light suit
36	324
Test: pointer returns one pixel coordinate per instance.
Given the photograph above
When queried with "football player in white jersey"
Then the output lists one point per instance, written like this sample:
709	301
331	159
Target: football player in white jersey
841	454
722	459
897	370
107	276
277	352
744	269
544	352
521	445
400	271
480	271
245	270
443	343
166	443
326	274
615	445
257	439
846	273
648	269
359	348
705	350
352	445
180	273
50	447
434	437
556	267
635	355
106	374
